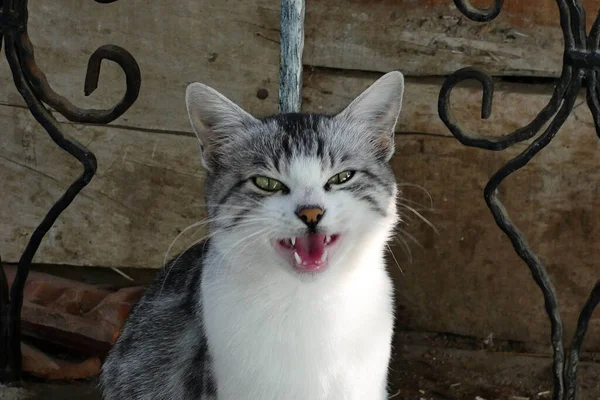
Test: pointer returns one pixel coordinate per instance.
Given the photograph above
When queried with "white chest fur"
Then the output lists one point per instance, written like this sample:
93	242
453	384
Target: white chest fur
275	337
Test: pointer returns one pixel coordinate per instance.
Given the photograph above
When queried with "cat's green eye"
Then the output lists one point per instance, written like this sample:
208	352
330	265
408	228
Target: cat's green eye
268	184
340	178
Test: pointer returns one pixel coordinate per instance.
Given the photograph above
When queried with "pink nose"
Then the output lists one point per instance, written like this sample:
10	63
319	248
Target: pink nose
310	215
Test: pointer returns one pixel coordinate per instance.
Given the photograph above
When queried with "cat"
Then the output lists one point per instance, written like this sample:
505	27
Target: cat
289	297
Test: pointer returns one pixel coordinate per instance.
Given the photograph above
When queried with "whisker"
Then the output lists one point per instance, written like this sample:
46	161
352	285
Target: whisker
246	223
202	222
245	238
405	248
254	241
257	236
207	236
421	217
195	224
170	266
415	204
409	236
406	184
394	257
229	206
404	216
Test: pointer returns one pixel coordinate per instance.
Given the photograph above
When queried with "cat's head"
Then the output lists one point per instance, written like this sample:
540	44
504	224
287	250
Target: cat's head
302	192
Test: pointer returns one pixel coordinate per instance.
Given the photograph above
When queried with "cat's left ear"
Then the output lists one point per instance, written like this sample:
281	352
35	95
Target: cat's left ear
378	107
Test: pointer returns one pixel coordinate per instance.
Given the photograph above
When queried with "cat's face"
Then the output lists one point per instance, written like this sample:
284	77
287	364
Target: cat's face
299	191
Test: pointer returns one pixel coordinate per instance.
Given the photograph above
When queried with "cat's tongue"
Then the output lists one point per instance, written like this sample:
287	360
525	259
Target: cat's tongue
310	252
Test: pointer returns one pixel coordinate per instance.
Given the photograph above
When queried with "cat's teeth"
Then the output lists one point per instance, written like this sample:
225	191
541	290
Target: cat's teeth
327	239
293	241
297	257
324	256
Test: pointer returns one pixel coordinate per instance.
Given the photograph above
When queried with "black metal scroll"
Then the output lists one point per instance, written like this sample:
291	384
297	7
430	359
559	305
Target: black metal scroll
581	61
37	93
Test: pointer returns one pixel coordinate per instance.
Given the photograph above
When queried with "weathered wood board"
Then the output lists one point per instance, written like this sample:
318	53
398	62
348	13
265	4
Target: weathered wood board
236	49
514	105
466	280
148	188
175	43
124	183
431	38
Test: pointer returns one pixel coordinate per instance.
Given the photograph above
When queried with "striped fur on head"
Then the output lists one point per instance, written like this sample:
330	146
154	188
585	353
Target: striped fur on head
230	319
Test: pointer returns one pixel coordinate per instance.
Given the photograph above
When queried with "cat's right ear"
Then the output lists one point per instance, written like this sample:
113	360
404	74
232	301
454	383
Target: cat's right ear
213	116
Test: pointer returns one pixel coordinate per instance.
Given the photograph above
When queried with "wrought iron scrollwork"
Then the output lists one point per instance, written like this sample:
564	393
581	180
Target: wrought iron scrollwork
37	93
479	14
581	62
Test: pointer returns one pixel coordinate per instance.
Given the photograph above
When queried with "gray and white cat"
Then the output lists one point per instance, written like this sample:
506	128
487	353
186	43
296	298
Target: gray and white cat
289	298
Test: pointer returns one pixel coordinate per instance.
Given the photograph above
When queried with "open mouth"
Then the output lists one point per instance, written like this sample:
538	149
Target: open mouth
307	253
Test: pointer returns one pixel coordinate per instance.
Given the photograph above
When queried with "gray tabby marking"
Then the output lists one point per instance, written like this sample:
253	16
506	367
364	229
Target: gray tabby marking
289	298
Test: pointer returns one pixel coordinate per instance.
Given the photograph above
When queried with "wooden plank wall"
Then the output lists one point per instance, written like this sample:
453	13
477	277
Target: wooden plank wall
464	280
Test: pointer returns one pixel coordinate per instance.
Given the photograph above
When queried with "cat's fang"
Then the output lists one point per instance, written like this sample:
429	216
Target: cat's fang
327	239
297	258
324	256
293	241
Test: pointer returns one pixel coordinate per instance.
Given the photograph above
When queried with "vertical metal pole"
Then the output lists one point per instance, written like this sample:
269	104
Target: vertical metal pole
292	45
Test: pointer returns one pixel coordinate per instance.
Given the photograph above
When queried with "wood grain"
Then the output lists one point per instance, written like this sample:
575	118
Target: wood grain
467	279
514	105
464	280
210	41
236	49
425	38
149	184
148	188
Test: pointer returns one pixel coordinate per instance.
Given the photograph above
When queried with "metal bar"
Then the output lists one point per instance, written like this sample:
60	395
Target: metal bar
582	325
537	268
292	45
479	14
5	326
594	83
580	61
35	90
3	286
500	142
45	93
